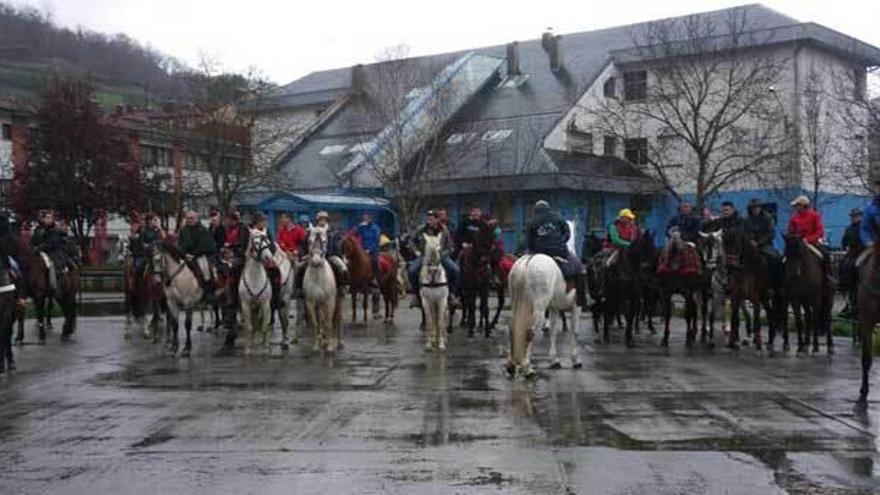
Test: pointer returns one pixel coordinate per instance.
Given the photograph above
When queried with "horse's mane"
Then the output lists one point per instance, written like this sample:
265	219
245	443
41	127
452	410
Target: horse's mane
171	250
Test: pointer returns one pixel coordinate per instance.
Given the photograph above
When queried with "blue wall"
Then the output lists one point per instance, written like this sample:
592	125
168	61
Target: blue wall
834	208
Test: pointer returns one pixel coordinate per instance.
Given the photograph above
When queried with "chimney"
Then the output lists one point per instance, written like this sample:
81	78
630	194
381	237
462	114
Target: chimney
550	43
513	58
357	79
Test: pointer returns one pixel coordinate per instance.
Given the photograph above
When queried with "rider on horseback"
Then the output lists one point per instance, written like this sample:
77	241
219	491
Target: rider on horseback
853	247
49	240
290	236
687	223
870	221
548	233
197	247
806	223
760	230
369	234
469	229
432	226
332	252
142	240
680	255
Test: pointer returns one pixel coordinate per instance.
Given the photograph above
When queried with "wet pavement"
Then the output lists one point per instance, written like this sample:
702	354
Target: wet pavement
105	415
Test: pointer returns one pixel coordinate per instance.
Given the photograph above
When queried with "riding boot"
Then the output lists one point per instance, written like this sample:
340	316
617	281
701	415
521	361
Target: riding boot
581	290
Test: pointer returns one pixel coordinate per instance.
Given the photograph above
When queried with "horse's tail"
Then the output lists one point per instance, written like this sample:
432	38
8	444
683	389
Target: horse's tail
522	321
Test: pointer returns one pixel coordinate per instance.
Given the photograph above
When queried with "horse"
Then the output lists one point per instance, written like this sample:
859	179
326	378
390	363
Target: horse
621	281
691	286
476	276
360	277
255	292
868	303
182	290
8	303
142	297
35	278
434	292
807	293
536	285
322	302
748	280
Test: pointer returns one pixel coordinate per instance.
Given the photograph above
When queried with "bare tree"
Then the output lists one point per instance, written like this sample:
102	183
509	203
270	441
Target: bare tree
229	145
704	108
403	157
816	141
859	117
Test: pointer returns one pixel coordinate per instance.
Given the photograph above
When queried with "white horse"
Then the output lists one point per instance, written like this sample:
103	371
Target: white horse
717	266
537	286
183	292
255	292
321	298
286	269
434	291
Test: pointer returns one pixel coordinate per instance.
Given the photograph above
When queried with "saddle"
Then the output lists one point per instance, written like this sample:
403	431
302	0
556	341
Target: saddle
385	263
814	250
680	261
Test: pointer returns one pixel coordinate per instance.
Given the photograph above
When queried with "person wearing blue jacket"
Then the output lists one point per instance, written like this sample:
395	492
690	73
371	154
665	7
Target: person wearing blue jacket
871	218
369	233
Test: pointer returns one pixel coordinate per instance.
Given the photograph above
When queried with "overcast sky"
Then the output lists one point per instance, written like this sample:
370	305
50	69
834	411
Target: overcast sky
288	39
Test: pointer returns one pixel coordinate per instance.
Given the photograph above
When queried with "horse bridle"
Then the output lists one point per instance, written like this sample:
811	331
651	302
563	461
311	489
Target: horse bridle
256	249
433	266
159	268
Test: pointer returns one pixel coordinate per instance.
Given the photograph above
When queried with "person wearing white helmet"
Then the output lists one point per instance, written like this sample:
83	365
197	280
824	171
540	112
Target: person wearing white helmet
334	257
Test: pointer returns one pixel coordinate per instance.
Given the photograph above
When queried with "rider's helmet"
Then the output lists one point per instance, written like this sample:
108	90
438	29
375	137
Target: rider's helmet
626	213
322	214
541	205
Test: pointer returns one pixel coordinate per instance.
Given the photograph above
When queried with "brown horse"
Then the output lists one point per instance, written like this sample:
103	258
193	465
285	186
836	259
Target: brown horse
748	280
691	286
868	301
360	277
143	296
8	303
807	293
35	278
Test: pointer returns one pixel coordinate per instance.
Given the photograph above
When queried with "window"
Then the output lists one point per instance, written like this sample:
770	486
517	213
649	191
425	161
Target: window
501	208
416	92
609	146
153	156
7	132
609	89
636	150
496	136
635	85
333	149
579	141
459	137
513	81
860	81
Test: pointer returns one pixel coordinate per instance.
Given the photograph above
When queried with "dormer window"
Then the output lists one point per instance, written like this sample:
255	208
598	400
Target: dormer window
513	81
635	85
579	141
609	89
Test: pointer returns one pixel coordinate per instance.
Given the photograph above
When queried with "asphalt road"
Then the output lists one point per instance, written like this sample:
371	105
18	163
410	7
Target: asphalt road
106	415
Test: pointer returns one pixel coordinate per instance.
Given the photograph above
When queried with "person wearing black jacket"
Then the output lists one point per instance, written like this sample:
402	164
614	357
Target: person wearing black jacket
548	233
467	230
49	239
729	219
760	229
849	273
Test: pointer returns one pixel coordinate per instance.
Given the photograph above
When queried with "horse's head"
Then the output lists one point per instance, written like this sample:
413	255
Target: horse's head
259	246
317	245
159	261
432	249
794	244
711	246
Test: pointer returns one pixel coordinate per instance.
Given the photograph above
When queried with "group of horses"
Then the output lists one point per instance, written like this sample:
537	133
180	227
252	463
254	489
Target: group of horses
628	286
625	288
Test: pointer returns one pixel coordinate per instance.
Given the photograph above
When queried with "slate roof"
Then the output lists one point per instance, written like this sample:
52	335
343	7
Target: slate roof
530	111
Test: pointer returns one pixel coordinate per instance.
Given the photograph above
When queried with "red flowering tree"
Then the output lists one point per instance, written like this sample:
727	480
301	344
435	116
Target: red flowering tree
76	160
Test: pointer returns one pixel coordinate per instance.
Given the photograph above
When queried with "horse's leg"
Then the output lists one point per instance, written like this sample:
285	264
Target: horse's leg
40	307
312	317
265	327
827	302
247	318
354	313
667	316
366	303
554	332
484	312
173	327
187	346
866	327
441	314
735	307
799	311
20	316
500	300
284	319
573	337
756	325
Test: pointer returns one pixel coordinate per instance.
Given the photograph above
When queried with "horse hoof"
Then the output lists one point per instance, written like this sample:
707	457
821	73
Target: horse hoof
248	352
630	343
127	335
511	369
200	328
556	365
185	353
830	351
577	365
529	373
285	346
65	337
470	333
785	348
664	342
816	350
441	347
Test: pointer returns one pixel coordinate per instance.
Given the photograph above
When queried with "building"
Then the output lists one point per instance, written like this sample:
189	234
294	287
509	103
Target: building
15	120
502	126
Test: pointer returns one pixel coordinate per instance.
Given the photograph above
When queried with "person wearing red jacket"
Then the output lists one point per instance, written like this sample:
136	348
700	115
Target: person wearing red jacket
290	235
806	222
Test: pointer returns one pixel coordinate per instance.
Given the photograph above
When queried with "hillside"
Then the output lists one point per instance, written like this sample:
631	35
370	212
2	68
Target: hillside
33	50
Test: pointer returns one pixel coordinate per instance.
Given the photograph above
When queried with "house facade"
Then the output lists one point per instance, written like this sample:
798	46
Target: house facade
503	126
